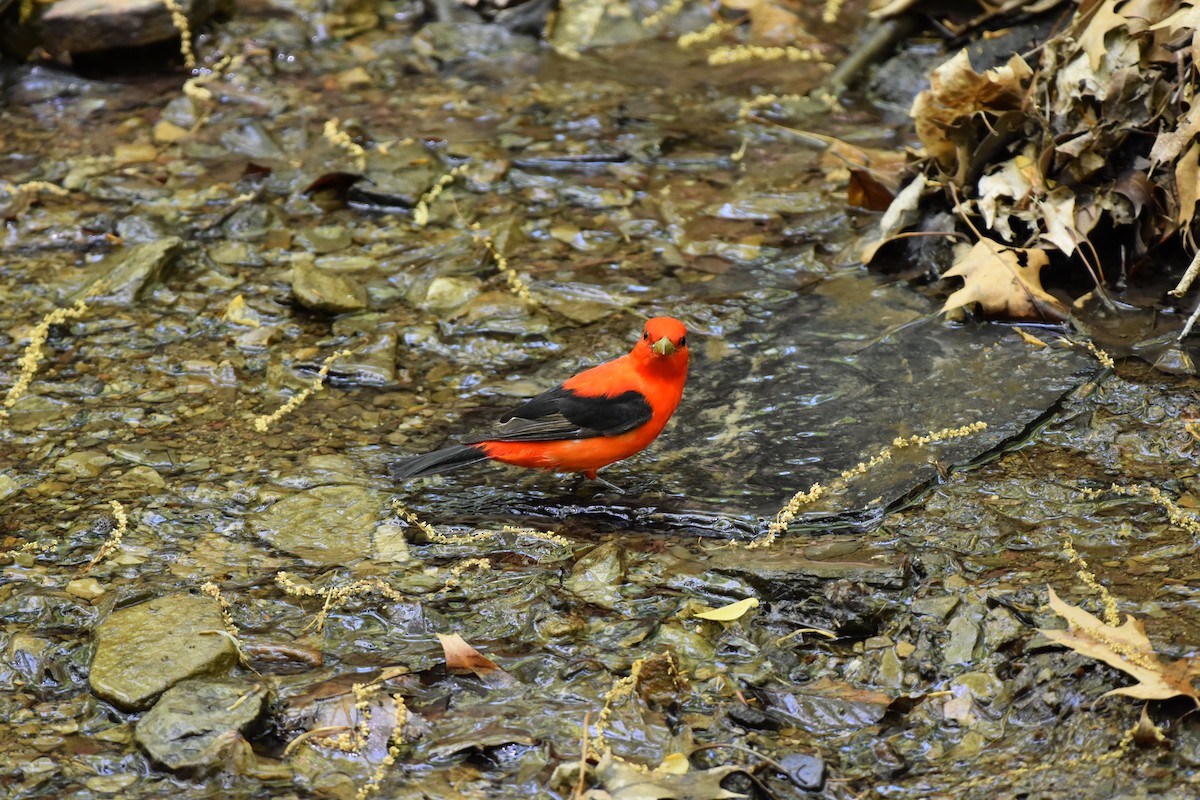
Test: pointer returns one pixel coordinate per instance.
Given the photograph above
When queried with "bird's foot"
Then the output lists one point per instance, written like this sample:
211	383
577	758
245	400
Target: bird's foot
609	485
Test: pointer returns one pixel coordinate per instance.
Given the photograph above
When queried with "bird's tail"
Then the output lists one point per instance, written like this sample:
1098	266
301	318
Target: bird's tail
448	458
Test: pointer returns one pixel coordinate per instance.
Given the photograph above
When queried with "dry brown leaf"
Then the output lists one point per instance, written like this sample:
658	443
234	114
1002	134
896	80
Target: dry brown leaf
1015	180
903	211
1128	649
865	191
460	656
956	94
1057	210
1005	281
1091	37
1188	16
1170	144
1187	172
769	23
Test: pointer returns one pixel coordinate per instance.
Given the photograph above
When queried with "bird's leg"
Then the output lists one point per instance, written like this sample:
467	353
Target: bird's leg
591	475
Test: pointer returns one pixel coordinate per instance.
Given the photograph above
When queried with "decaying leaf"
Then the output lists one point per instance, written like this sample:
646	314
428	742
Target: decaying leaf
1005	282
730	612
460	656
770	23
943	114
673	779
1128	649
900	214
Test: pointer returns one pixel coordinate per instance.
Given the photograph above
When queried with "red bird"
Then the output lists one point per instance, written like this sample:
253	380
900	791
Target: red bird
601	415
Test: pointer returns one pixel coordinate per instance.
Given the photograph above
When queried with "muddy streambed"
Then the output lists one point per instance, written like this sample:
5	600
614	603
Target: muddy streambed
268	622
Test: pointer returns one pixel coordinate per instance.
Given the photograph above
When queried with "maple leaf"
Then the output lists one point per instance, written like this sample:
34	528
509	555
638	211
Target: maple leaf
1005	281
1128	649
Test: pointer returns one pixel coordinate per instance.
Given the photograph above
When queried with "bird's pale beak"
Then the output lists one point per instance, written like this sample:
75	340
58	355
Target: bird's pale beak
664	347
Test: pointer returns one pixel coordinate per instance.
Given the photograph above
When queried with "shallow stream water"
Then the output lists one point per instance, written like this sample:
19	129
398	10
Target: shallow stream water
894	649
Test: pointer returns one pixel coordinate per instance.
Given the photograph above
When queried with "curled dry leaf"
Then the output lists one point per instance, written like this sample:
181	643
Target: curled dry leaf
945	113
1005	282
460	656
1128	649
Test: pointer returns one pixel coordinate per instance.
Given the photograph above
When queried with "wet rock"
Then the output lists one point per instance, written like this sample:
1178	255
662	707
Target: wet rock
250	223
454	41
445	294
598	575
139	229
983	686
88	26
326	525
253	140
143	650
372	363
793	570
1001	627
325	291
142	477
579	302
324	238
27	655
891	669
191	723
939	607
806	771
85	588
825	705
768	206
964	629
126	274
84	463
157	456
8	486
388	545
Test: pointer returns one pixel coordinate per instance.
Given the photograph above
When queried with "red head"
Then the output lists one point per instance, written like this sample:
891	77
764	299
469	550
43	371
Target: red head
663	344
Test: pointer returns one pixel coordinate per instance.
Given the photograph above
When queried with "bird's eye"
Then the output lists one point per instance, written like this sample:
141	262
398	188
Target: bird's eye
646	335
683	341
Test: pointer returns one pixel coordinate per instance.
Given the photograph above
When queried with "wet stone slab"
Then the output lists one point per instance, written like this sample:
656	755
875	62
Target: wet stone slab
191	723
143	650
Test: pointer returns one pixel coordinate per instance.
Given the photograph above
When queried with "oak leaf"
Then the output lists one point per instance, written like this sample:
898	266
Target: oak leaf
1128	649
1104	20
1005	282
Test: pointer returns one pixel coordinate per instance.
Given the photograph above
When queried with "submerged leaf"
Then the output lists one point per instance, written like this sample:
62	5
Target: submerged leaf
673	779
1128	649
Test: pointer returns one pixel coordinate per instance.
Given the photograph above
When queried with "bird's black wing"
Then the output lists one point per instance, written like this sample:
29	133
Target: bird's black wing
562	414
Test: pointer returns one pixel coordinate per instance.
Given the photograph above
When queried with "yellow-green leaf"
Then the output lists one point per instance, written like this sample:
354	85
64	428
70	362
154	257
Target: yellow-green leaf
730	612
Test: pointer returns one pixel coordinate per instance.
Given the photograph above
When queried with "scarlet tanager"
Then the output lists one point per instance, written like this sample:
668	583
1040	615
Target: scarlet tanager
601	415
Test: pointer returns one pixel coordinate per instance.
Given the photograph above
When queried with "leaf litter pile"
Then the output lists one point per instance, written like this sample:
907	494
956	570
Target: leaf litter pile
1080	154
